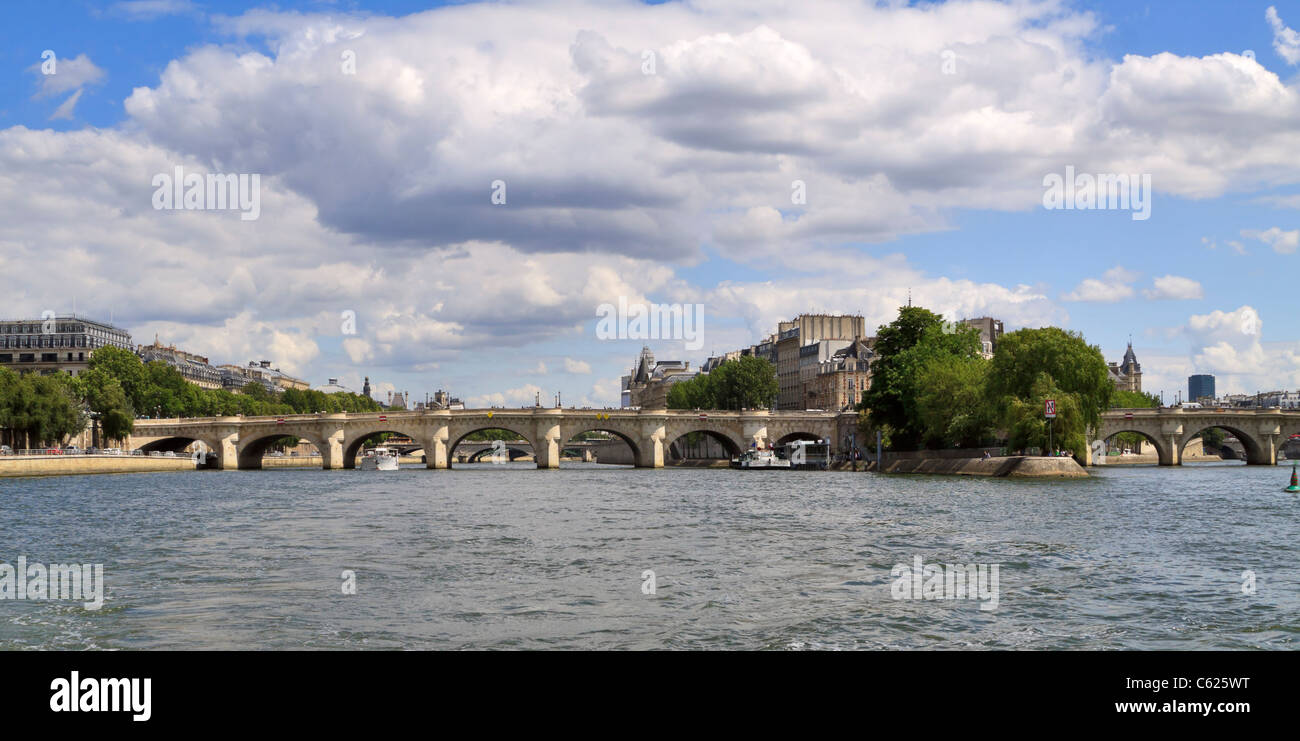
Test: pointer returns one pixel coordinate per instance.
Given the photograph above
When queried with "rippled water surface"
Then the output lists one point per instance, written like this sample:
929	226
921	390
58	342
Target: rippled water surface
510	557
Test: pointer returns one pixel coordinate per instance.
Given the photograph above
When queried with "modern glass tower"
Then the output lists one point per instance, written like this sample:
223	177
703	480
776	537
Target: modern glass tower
1200	385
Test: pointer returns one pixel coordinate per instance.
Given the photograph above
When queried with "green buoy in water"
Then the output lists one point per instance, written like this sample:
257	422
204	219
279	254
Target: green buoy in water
1295	483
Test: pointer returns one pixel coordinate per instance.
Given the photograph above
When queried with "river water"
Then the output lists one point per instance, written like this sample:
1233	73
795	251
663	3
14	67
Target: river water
508	557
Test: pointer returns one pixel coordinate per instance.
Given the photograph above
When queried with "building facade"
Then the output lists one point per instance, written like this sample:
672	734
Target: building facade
444	400
1280	400
234	377
56	344
1127	376
990	330
840	380
1200	387
812	357
646	387
793	336
193	368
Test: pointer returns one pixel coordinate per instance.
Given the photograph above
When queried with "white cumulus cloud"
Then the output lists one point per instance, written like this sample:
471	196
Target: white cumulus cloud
576	366
1283	242
1114	285
1286	41
1174	287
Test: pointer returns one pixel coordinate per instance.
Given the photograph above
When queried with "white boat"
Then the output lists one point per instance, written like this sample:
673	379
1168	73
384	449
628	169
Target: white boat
379	459
757	459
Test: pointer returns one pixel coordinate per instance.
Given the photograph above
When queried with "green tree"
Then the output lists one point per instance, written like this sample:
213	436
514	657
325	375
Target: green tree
1027	427
951	403
745	383
693	393
257	392
867	427
1032	365
39	411
105	396
1072	365
902	347
126	367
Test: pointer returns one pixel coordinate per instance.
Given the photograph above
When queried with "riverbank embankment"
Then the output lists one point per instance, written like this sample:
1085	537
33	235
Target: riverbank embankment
1012	466
78	465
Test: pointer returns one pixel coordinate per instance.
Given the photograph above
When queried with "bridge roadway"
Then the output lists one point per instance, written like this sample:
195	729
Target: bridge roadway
1262	432
240	442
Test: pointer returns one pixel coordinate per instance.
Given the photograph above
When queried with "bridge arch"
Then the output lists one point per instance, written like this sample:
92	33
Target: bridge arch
569	432
1164	454
178	443
674	441
251	450
1286	429
355	438
457	435
1254	450
729	433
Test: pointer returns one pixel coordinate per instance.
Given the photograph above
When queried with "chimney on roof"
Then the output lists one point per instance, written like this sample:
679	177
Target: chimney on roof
334	382
266	364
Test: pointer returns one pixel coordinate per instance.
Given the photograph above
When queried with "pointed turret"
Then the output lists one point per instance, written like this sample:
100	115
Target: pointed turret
1130	364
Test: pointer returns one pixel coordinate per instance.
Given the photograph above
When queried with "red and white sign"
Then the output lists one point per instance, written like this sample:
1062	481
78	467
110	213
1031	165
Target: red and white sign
280	421
1128	415
383	418
1049	408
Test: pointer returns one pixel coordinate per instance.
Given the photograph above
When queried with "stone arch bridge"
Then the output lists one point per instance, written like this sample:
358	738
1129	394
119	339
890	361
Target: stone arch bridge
240	442
1261	431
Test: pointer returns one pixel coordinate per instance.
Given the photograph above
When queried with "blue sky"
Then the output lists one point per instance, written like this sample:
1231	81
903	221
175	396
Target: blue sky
662	188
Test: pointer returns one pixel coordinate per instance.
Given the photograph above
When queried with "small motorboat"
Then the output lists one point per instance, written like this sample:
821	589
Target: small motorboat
379	459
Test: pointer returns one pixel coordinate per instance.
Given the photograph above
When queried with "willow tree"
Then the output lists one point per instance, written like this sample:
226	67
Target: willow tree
1033	365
